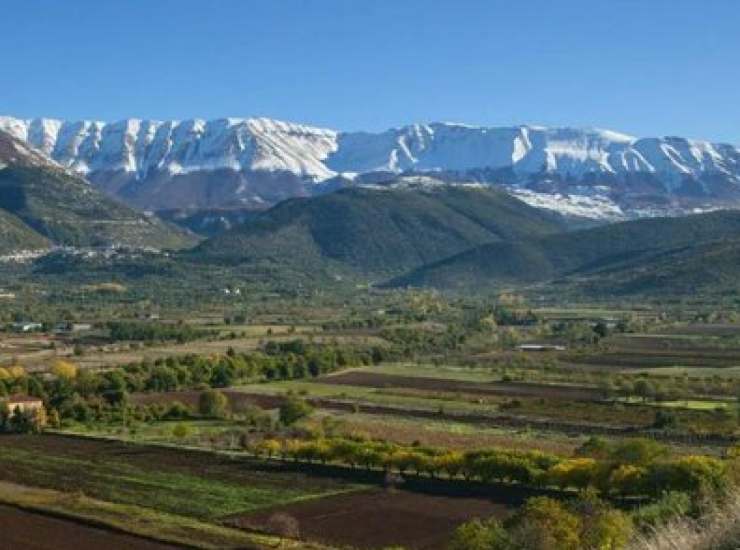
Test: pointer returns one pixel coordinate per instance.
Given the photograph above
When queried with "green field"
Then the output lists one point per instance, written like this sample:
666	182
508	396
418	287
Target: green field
689	404
445	372
178	485
698	372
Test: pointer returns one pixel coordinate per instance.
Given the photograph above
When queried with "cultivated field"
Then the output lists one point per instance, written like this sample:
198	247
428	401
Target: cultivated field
35	531
354	434
190	483
415	520
508	389
244	493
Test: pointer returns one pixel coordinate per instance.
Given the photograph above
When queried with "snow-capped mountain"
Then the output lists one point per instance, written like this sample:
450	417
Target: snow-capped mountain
254	162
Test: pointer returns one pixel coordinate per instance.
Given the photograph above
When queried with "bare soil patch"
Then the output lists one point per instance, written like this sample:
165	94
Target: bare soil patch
508	389
378	518
33	531
646	358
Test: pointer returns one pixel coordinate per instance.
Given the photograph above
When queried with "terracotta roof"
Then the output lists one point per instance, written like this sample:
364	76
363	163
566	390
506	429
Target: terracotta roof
23	399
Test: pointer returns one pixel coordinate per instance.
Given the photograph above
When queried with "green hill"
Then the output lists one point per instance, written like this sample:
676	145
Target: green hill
613	255
379	231
68	211
15	235
703	268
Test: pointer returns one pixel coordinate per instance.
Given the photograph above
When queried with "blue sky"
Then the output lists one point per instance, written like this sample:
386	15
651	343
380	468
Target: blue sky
647	67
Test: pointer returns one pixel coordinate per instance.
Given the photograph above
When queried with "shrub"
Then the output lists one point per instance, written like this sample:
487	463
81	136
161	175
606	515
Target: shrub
545	524
691	474
65	370
176	411
213	403
576	472
626	479
181	431
602	527
668	507
293	409
594	447
638	451
480	535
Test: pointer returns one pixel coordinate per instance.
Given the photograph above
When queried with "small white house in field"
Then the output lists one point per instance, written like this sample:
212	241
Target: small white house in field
540	347
27	327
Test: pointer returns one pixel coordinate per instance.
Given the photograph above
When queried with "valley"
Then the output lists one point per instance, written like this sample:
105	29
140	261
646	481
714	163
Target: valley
413	354
324	410
331	275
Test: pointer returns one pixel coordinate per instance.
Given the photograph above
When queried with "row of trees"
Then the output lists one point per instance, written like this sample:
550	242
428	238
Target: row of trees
155	332
626	471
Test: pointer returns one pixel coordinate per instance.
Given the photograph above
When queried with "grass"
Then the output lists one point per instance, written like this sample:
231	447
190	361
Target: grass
695	404
575	412
444	433
583	312
380	396
701	372
444	372
264	330
690	404
167	490
719	529
138	520
153	432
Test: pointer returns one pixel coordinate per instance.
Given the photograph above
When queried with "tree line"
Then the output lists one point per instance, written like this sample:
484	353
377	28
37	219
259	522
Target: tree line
86	395
634	468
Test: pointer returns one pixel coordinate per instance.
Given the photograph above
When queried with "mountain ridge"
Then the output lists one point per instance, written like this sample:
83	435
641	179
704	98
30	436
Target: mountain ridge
258	162
43	203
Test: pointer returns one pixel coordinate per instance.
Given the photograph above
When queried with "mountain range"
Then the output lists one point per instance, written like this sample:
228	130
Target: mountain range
255	163
425	227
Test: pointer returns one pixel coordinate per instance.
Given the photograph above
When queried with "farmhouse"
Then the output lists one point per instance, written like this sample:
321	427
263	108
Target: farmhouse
23	403
28	405
27	327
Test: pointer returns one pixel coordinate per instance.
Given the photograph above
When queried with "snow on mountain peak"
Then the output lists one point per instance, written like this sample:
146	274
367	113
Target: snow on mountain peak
140	146
252	153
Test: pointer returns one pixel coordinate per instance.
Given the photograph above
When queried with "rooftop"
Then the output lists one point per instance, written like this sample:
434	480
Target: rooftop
23	399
